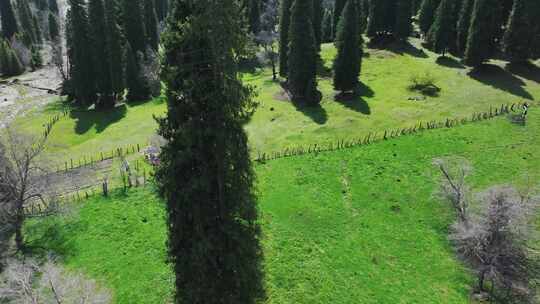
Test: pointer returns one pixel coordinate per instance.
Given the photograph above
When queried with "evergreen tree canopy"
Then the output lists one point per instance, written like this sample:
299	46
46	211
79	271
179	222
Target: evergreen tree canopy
255	16
54	31
338	9
80	53
115	51
349	49
134	25
53	6
284	23
162	9
427	14
9	22
101	60
517	39
318	12
302	65
206	175
403	27
440	34
28	26
151	23
137	88
463	25
382	17
327	30
482	32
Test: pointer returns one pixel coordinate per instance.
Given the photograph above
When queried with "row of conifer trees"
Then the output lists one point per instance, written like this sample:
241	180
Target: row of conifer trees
112	48
26	24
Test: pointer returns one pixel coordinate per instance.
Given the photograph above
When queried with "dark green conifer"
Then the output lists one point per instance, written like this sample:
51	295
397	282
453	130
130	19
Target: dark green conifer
206	176
254	16
7	17
284	24
517	38
382	17
403	27
102	62
53	6
327	30
440	35
115	50
14	65
54	31
427	14
28	27
463	25
137	88
162	9
318	12
482	32
349	49
134	24
80	49
151	22
35	60
338	9
302	80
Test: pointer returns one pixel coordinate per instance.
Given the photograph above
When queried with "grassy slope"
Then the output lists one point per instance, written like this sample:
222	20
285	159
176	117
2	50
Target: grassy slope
355	226
278	124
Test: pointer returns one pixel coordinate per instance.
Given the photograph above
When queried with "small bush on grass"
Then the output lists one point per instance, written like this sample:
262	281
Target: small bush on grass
425	84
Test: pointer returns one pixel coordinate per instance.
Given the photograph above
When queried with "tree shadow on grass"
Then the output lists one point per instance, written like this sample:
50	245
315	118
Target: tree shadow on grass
315	112
52	235
85	120
397	47
498	78
449	62
354	102
525	70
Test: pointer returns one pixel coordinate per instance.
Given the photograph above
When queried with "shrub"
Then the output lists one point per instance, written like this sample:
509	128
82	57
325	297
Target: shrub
425	84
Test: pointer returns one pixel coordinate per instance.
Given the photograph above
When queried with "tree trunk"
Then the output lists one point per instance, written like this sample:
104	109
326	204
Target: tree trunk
19	239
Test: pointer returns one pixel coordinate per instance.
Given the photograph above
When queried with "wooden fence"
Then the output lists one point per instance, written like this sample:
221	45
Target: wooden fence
387	134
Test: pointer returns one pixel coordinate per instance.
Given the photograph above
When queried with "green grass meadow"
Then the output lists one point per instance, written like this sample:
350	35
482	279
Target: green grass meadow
278	124
360	225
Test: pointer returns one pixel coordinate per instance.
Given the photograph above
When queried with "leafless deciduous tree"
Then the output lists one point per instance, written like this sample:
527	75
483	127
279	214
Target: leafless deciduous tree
453	186
496	238
28	282
22	181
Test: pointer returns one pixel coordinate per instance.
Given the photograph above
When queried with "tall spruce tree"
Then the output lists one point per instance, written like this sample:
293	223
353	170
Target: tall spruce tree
134	25
482	32
206	175
284	24
403	27
254	16
534	12
382	17
349	49
7	17
28	27
517	40
338	9
363	13
53	6
54	30
327	30
318	13
115	50
440	35
101	60
463	25
302	76
162	9
81	56
151	23
427	14
137	88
